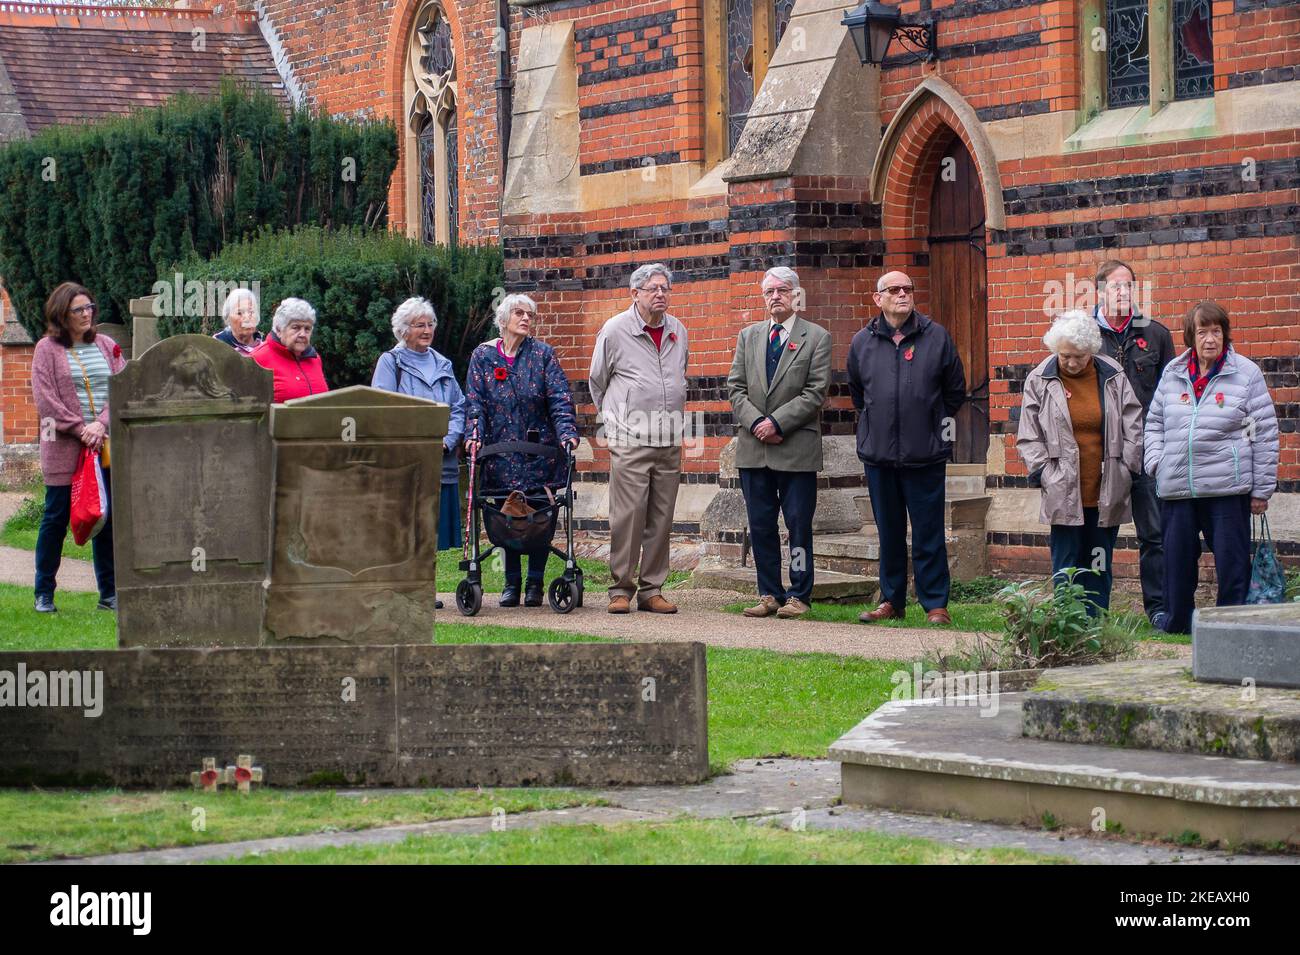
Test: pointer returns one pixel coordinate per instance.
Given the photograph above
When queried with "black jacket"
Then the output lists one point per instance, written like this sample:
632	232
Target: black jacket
902	401
1142	366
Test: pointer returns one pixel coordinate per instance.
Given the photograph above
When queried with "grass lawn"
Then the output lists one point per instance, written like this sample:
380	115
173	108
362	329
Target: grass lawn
680	842
20	530
48	825
77	625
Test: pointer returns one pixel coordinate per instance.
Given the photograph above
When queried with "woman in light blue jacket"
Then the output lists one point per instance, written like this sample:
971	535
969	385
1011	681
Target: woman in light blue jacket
1212	446
412	367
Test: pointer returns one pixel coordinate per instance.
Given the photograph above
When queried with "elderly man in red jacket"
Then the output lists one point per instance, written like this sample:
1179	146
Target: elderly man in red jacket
288	353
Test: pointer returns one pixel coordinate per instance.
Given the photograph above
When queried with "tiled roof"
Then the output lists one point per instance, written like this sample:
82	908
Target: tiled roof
70	64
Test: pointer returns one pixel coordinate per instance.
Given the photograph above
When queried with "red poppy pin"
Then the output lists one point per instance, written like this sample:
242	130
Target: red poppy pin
1068	393
793	346
672	336
117	351
1142	344
500	373
907	355
1184	398
1218	399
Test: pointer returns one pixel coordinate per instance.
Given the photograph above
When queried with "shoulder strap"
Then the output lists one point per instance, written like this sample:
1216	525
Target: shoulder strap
90	396
397	371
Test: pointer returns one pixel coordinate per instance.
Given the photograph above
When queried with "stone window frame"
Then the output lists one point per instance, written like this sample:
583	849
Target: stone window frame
1094	65
717	112
427	98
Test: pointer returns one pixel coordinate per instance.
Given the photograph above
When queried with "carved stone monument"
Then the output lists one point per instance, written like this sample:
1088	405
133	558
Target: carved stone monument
191	484
1260	644
356	475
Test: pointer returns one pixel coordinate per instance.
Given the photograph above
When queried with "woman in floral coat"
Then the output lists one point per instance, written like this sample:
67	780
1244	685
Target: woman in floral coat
515	386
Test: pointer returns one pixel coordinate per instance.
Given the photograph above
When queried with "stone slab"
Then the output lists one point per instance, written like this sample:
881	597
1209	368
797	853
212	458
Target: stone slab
467	715
1260	643
828	585
923	756
1157	705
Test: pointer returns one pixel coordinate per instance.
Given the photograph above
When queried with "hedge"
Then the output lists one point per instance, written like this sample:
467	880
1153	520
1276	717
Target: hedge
110	204
355	280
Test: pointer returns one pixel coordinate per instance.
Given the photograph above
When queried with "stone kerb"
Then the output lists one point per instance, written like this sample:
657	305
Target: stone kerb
356	477
191	475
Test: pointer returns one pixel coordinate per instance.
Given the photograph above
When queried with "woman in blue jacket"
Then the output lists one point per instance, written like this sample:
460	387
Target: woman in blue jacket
412	367
1212	444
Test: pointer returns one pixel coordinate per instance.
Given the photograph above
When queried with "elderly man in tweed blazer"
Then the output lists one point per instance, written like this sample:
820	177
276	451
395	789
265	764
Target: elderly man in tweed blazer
778	382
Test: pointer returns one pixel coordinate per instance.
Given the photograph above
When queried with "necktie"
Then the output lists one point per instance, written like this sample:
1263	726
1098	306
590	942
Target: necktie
773	352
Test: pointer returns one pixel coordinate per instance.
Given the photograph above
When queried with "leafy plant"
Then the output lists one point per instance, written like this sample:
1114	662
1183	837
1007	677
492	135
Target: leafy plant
356	279
978	590
108	204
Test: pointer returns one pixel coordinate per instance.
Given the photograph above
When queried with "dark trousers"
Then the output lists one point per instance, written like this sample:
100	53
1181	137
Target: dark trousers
916	494
792	494
1151	551
1225	522
1086	547
49	543
536	565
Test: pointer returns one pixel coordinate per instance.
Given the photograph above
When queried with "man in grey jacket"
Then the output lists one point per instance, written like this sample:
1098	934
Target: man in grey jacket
638	382
778	382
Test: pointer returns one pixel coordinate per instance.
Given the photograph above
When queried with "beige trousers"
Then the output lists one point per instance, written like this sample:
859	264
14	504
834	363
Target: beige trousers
642	494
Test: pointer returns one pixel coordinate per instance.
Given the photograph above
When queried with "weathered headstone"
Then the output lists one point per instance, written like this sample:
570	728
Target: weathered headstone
466	715
191	472
355	540
144	324
1259	643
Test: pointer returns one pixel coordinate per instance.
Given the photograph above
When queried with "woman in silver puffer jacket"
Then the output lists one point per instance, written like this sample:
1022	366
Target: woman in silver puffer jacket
1211	441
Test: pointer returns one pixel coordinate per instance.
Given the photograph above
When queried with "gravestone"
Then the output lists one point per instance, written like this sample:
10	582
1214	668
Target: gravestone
355	542
191	455
144	324
1259	643
467	715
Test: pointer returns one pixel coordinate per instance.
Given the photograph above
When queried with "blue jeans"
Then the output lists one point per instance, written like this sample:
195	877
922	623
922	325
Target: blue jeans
49	543
1086	547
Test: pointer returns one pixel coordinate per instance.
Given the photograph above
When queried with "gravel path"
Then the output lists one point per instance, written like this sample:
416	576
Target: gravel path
18	566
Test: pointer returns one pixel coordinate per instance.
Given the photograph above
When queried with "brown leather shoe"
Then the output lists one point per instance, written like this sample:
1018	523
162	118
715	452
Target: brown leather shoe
885	611
939	617
767	606
794	607
620	604
656	604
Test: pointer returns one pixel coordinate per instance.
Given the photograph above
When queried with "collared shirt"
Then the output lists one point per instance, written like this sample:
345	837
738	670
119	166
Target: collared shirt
785	329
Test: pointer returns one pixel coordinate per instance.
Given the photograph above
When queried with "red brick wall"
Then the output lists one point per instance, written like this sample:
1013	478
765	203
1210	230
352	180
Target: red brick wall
20	424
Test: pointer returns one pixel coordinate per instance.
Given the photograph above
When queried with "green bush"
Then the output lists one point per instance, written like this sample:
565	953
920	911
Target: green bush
111	203
355	279
1048	625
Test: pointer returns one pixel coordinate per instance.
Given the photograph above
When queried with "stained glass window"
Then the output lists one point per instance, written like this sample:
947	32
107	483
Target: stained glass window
783	10
740	66
453	180
1128	53
1193	50
429	182
437	58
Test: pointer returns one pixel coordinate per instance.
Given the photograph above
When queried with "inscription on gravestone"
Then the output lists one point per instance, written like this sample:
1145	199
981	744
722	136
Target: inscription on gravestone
474	715
191	455
354	549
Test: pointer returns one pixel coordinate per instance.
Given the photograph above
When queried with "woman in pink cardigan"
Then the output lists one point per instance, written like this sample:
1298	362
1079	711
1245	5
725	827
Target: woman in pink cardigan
70	370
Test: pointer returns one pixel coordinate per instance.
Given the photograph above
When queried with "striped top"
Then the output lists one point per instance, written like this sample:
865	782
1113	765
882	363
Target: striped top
97	371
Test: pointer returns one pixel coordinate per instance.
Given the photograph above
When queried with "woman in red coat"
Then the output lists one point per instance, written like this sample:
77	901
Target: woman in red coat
288	353
70	370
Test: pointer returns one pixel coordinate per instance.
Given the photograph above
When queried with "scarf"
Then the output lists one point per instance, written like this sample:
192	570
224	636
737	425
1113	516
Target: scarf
1199	381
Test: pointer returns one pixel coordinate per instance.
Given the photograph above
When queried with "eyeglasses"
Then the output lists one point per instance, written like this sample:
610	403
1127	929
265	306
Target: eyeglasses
654	289
778	290
83	309
899	290
420	326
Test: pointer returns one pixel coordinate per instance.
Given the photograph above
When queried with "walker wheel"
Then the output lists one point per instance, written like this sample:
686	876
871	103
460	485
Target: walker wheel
563	595
469	597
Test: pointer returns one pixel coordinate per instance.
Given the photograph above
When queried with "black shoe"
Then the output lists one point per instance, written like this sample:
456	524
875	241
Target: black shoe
437	605
46	605
510	596
107	603
533	594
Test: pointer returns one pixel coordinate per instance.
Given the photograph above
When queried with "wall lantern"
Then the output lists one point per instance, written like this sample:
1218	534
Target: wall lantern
874	25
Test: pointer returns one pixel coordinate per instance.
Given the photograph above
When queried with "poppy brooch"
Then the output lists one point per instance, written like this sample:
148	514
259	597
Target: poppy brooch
500	373
907	355
117	351
1184	398
1142	344
672	336
1218	399
793	346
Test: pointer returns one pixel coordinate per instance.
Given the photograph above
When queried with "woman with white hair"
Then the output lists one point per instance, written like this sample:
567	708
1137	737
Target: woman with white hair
517	391
288	353
1080	437
412	367
240	313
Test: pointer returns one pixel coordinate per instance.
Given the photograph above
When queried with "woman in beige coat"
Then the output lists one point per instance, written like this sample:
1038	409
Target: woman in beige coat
1080	437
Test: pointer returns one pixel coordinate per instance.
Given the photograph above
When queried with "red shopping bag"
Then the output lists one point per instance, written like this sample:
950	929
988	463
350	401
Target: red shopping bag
89	498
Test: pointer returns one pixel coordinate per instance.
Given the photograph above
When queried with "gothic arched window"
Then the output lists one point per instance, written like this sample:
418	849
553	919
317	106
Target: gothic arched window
433	165
753	30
